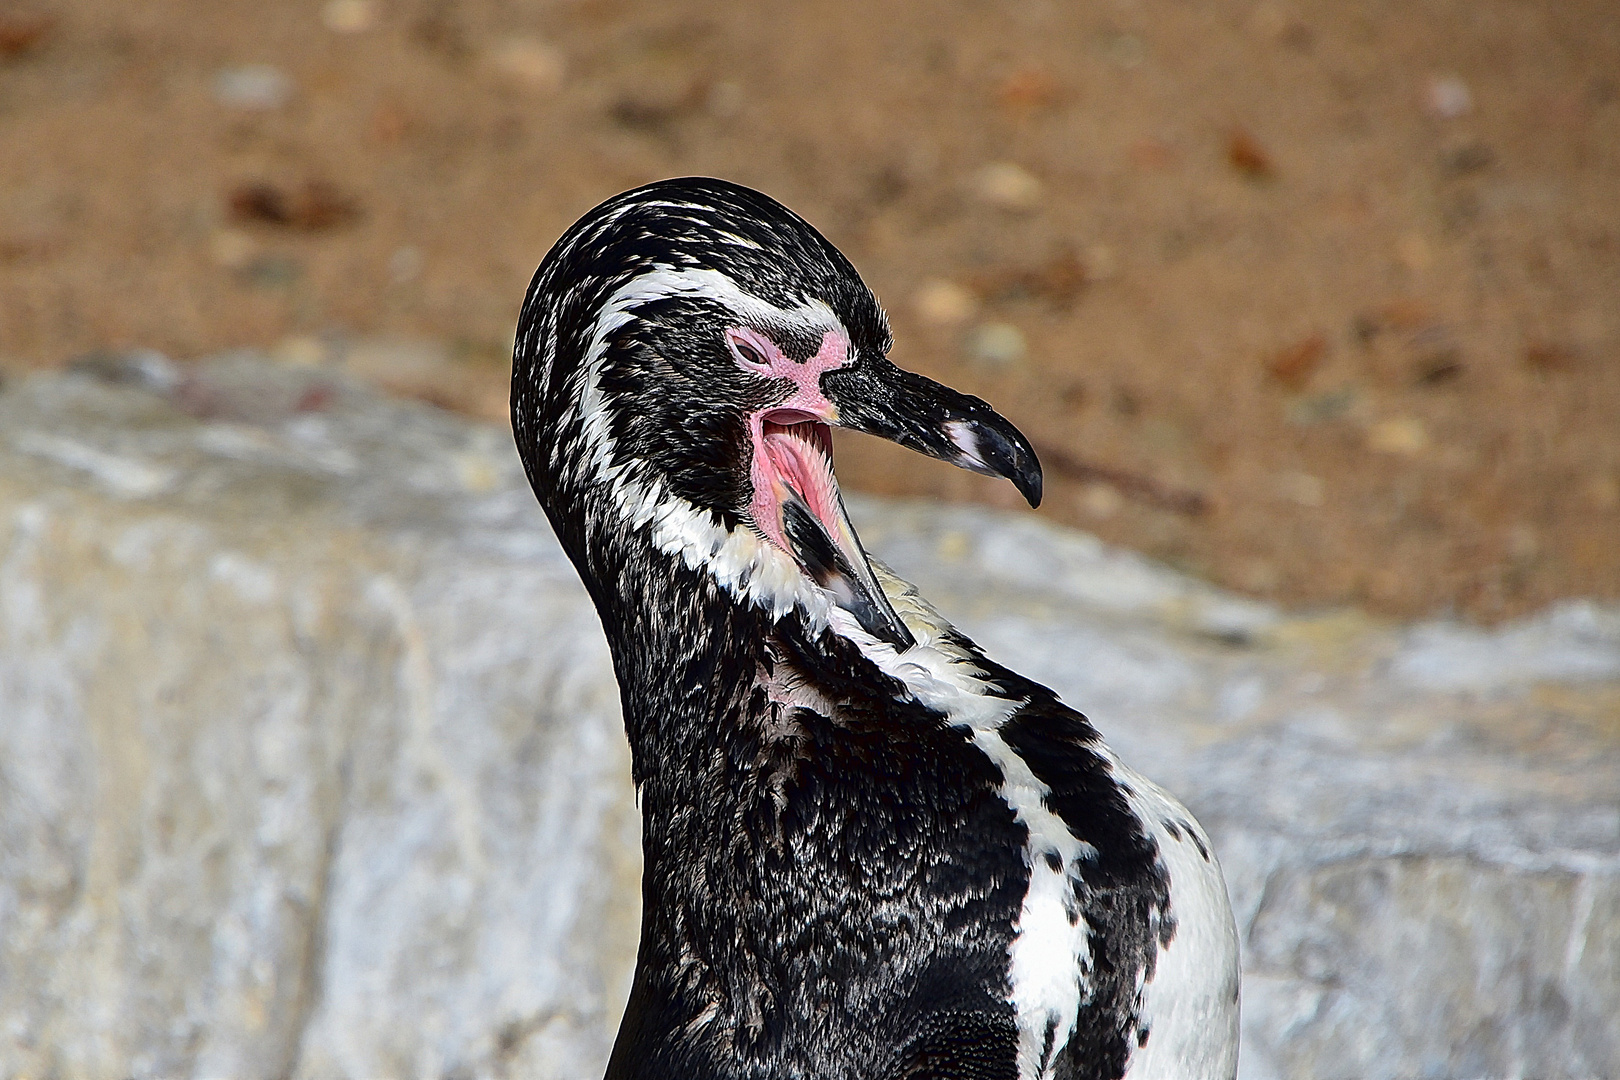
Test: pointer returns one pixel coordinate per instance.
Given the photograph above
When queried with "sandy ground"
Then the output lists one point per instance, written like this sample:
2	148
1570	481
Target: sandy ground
1320	300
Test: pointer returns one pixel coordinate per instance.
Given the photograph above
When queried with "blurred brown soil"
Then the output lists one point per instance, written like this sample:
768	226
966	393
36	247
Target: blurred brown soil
1318	299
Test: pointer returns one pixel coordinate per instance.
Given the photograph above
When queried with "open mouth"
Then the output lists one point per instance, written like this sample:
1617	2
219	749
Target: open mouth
798	507
799	457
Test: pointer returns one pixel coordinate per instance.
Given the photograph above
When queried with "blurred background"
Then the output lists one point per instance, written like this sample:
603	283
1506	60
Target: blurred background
311	763
1318	300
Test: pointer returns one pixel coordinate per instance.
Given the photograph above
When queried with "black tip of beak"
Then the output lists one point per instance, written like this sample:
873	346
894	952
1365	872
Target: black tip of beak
988	444
1008	454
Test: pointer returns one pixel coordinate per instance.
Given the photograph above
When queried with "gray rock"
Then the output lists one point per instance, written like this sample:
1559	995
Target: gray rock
310	761
1420	826
253	86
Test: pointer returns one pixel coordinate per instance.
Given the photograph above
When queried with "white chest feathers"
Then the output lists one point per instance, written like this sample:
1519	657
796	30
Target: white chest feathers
1189	1008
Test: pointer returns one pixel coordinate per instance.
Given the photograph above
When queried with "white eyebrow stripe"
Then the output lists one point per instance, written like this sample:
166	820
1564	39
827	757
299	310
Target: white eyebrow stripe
664	282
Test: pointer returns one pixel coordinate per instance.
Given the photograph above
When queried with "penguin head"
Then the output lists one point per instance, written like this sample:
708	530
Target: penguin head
682	354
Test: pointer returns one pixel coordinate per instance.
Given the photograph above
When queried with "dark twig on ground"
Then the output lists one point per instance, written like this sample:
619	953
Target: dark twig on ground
1143	489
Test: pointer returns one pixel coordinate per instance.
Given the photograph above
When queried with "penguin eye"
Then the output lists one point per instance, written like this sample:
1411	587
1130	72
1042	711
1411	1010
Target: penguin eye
748	355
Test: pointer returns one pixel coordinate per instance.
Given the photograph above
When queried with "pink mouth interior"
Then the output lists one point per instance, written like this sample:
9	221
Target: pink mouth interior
793	450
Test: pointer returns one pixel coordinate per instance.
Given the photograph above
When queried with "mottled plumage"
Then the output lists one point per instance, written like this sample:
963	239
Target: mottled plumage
870	851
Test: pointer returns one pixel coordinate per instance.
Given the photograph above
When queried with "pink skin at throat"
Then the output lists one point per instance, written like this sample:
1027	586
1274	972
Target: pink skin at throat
792	445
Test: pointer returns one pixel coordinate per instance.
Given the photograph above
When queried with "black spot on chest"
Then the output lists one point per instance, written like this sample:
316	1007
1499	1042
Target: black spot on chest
1123	892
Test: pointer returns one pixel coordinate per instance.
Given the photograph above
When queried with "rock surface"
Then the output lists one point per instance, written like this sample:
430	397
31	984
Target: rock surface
310	761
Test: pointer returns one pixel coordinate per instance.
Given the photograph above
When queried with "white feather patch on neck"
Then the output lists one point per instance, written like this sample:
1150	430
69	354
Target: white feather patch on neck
748	566
1049	961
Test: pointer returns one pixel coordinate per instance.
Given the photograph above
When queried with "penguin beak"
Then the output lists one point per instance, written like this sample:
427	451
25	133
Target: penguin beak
920	414
796	502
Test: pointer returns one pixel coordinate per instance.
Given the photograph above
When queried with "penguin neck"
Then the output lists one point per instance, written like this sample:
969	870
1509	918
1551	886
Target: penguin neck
686	654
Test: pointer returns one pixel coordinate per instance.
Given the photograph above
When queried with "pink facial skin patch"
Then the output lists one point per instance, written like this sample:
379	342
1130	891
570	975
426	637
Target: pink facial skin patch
792	441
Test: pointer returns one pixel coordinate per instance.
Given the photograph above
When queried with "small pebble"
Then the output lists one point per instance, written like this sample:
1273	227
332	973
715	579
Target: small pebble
954	546
1029	89
1548	356
1101	501
1438	366
1292	366
311	206
1302	489
271	271
1152	155
656	99
1447	97
231	248
1413	252
146	368
1522	542
997	345
1126	50
726	99
1603	492
1008	186
1245	154
253	86
1261	576
349	16
1101	262
528	64
1468	158
945	303
1059	280
1322	407
1403	435
405	265
1364	328
23	32
300	351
